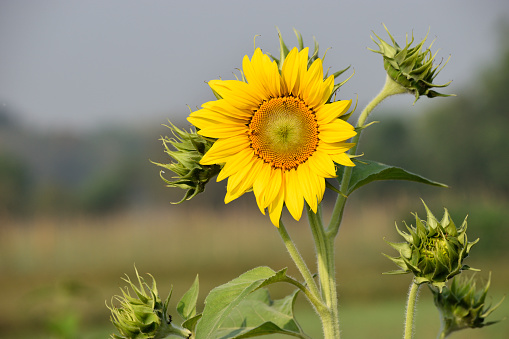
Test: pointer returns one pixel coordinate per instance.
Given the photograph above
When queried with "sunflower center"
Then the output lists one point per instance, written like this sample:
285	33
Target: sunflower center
284	132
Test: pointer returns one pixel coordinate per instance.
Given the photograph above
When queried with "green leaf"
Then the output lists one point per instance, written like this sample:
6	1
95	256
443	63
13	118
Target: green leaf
187	305
259	315
190	323
223	299
367	171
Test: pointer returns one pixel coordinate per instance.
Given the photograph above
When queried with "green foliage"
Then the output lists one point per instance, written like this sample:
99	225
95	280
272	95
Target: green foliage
223	302
186	307
366	171
259	315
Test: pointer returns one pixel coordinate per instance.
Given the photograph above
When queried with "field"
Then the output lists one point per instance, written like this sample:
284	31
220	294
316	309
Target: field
57	273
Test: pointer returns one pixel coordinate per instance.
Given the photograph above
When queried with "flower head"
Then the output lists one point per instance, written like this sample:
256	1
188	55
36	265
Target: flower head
277	133
433	251
463	306
145	315
410	67
187	149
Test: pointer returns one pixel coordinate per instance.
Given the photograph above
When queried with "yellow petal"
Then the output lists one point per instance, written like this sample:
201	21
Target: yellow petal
320	186
312	85
335	147
321	164
327	113
256	74
342	159
302	65
243	180
223	149
276	207
293	195
237	93
204	118
273	77
224	107
223	131
337	130
306	182
275	185
328	86
317	184
260	184
235	163
290	70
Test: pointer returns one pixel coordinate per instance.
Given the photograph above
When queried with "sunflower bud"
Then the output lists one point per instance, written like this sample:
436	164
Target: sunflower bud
410	67
187	149
143	316
433	251
463	306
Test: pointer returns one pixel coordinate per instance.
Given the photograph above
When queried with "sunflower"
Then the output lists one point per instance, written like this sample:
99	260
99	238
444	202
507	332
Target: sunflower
277	134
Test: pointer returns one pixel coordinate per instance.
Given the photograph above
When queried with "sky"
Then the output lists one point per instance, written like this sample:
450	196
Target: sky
79	65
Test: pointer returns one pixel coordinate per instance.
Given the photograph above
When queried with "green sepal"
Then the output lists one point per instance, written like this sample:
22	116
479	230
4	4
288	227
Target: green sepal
144	316
462	305
283	49
217	95
410	67
187	149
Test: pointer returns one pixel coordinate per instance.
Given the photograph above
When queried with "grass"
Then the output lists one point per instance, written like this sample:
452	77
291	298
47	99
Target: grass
55	274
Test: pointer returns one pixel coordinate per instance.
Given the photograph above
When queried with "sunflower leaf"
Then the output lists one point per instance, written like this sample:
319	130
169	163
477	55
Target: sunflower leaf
366	171
223	299
259	315
186	307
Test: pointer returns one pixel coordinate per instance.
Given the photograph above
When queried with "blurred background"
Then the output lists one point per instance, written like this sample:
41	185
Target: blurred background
85	87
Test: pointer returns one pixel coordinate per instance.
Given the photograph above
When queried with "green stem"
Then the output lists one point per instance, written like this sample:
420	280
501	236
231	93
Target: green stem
317	302
410	309
167	330
297	259
390	88
327	275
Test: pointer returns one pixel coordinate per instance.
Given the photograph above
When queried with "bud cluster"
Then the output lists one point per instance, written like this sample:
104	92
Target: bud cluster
144	316
410	67
463	306
187	149
433	251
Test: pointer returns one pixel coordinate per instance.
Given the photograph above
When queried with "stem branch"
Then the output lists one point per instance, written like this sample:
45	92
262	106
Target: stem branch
299	262
390	88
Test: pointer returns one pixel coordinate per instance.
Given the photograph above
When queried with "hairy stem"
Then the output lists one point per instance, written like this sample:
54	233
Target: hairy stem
390	88
410	309
299	262
324	246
